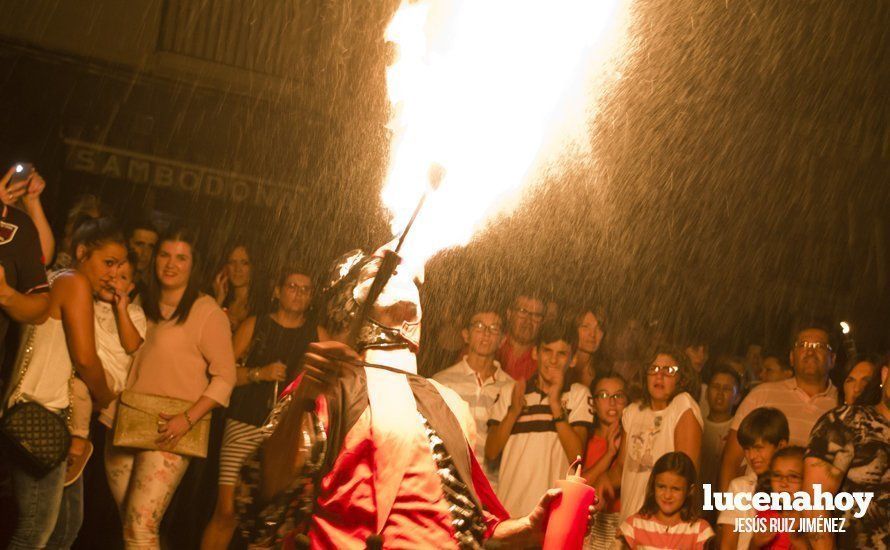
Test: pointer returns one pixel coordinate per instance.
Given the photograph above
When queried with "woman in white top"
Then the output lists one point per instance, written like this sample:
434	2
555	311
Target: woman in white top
63	343
663	419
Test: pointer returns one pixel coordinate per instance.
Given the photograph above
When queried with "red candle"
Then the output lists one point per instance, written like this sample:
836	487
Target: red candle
568	514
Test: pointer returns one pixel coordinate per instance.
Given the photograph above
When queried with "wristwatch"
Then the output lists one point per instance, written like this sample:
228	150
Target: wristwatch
253	375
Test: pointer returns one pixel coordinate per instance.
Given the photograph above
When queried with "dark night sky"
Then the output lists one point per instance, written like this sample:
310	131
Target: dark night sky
740	174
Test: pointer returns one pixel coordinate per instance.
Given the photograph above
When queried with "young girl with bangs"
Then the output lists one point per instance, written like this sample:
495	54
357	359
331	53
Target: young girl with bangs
669	517
665	418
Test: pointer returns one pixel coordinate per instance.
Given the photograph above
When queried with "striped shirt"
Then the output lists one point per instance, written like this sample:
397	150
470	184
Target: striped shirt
533	458
646	533
801	410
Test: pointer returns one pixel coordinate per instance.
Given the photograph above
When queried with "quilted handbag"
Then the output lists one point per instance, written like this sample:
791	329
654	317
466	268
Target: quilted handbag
138	419
37	436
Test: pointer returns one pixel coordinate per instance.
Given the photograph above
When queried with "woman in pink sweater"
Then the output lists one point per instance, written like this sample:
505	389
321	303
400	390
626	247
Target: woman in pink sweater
187	355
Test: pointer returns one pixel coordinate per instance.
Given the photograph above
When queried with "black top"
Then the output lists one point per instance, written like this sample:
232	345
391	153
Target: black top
21	258
271	342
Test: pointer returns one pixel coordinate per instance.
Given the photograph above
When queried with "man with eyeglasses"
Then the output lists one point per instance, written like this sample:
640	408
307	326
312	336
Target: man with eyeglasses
803	398
524	319
478	378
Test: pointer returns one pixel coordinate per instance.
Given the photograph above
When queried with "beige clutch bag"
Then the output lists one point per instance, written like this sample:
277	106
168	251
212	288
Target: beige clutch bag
138	416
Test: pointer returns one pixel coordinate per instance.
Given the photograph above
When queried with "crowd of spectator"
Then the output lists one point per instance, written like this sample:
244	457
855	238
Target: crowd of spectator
121	314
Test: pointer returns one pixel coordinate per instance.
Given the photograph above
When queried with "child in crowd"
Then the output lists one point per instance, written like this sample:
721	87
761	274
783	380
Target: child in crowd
609	400
669	517
119	330
723	394
539	426
775	369
785	476
763	432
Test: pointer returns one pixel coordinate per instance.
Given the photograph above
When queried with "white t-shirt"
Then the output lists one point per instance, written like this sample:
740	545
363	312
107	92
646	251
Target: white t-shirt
649	435
480	397
743	484
115	360
533	459
712	442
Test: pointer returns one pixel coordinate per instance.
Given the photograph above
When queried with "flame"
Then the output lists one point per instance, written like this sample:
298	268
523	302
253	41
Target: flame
490	90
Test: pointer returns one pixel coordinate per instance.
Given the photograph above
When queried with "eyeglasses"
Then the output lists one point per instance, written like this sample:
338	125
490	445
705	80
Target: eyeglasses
619	397
524	313
479	326
815	346
790	478
670	370
299	289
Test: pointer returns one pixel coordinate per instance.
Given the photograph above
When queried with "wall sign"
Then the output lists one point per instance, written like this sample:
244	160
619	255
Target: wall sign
133	167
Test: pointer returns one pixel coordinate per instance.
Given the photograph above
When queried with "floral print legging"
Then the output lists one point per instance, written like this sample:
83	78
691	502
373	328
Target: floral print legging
142	483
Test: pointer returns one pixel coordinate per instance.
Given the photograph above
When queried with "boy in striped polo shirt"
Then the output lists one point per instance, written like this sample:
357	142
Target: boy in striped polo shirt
539	426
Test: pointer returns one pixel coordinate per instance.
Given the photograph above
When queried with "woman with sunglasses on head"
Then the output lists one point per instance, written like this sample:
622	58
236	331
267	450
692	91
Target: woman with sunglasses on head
269	349
663	419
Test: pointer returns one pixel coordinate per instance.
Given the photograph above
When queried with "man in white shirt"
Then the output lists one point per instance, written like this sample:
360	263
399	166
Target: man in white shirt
478	378
803	399
539	427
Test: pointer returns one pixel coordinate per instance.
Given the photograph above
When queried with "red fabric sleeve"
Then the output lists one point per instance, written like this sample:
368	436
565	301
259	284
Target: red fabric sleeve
492	509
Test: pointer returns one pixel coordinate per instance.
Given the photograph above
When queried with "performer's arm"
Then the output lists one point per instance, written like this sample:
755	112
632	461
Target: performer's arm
530	528
282	456
527	527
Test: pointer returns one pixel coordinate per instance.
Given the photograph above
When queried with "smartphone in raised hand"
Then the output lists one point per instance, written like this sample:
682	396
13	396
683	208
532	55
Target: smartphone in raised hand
22	172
